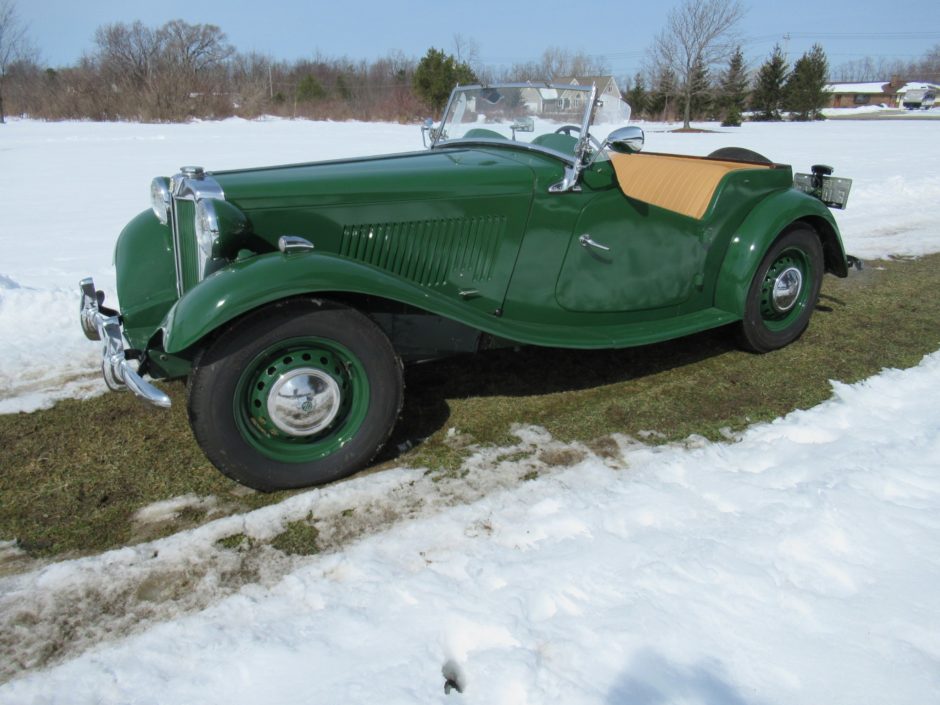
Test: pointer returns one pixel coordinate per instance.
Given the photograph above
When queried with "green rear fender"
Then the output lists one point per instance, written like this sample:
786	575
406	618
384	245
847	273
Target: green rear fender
254	282
759	230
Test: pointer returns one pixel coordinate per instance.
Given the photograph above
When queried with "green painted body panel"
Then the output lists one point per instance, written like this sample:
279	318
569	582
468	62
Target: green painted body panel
658	259
452	221
472	235
420	179
146	276
249	284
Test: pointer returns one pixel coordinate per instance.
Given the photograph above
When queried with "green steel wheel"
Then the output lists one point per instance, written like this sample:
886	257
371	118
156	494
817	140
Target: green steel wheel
784	291
298	393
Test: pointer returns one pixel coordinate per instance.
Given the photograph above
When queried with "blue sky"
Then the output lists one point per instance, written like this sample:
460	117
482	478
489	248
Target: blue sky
507	31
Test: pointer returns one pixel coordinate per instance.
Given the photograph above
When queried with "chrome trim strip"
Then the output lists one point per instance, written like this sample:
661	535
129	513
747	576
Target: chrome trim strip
293	243
483	141
115	367
177	254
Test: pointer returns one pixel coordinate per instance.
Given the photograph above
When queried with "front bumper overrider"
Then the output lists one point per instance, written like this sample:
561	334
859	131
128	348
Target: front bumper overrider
100	323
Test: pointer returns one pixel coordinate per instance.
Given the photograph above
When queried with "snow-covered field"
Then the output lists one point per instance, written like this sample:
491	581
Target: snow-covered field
67	189
798	565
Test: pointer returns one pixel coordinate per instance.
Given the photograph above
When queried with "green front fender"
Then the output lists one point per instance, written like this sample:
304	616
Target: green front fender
250	283
146	276
759	230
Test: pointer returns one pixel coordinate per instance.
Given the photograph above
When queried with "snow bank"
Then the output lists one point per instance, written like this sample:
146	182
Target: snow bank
66	191
68	188
798	565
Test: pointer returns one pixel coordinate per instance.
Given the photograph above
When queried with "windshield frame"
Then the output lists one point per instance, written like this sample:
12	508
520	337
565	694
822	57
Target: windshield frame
572	160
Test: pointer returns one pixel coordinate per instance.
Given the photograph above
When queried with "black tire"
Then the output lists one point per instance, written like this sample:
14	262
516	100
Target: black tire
318	363
739	154
771	321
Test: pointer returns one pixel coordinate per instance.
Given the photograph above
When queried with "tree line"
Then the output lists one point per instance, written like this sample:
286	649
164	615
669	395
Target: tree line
774	90
179	70
695	70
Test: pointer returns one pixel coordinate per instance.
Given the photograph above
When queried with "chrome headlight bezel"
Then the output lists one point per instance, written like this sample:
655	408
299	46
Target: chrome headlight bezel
161	200
207	227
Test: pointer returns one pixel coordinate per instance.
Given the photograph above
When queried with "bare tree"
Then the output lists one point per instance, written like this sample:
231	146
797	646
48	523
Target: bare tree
194	48
870	69
698	33
14	46
128	52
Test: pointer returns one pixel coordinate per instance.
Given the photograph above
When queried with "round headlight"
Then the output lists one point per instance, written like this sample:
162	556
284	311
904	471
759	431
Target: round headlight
207	226
160	199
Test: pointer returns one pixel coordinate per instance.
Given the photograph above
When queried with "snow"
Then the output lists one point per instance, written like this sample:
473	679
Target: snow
871	87
917	86
68	188
797	564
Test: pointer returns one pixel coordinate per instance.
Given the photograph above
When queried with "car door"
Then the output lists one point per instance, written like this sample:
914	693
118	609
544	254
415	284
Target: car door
625	255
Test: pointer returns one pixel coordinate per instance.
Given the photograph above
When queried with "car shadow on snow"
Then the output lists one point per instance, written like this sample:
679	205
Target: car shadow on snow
651	679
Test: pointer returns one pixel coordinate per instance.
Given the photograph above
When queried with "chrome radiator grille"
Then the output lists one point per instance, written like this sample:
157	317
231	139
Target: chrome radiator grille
184	245
187	188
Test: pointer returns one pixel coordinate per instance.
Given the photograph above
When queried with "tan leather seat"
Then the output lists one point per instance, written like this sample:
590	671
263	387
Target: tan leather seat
677	183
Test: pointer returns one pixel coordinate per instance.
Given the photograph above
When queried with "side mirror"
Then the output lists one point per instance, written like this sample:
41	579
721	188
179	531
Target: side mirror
523	124
626	140
428	133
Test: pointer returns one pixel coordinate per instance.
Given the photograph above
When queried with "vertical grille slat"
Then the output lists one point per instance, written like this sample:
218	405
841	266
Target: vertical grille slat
185	240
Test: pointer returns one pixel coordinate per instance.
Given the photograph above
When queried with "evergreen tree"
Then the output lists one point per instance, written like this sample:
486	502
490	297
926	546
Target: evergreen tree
310	89
437	74
342	87
637	96
767	98
804	94
732	91
700	92
661	100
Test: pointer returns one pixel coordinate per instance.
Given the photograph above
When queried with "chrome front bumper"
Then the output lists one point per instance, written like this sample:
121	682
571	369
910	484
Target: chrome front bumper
99	323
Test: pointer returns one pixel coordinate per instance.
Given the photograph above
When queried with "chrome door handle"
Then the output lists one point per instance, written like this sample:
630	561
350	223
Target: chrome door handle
586	241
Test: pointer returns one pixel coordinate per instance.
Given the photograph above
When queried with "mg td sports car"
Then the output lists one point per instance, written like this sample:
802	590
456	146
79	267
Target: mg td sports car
291	296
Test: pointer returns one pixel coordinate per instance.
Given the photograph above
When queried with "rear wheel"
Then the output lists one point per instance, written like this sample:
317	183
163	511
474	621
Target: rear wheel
295	394
784	291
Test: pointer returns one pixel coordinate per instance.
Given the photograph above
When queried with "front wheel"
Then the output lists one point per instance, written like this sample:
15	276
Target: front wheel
783	292
295	394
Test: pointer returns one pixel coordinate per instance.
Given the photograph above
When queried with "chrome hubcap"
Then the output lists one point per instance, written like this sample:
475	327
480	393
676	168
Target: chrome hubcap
304	401
786	289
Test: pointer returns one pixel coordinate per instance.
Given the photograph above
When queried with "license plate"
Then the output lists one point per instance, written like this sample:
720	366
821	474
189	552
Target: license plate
834	192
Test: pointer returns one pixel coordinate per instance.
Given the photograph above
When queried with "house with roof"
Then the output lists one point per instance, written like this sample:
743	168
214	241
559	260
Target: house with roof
855	95
606	86
893	94
558	100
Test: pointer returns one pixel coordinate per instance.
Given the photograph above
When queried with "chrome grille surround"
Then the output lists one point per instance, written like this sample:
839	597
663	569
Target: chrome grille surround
187	188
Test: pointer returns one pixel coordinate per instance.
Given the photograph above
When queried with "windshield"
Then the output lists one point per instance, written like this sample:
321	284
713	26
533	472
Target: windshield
544	115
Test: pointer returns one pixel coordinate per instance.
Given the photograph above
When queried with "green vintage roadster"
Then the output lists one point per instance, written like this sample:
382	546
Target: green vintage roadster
291	296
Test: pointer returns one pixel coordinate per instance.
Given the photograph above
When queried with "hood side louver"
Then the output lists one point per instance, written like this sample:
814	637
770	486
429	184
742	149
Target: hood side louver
428	252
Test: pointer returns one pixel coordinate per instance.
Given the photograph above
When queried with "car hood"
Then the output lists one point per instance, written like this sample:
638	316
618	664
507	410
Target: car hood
438	174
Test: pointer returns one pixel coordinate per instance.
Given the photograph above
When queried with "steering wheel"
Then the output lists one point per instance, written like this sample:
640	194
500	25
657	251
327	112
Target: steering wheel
567	129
